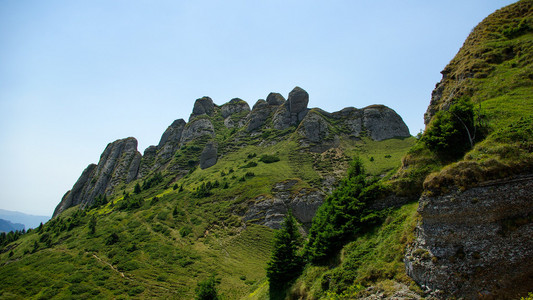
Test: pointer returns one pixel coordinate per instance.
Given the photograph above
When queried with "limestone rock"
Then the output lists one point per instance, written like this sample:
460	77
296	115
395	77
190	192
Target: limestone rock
235	106
170	140
313	127
197	128
208	158
476	242
202	106
235	113
260	113
275	99
119	163
270	210
148	161
383	123
293	111
76	194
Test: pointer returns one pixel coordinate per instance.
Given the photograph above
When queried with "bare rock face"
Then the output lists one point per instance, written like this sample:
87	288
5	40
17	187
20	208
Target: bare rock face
119	163
383	123
270	210
148	161
208	158
260	113
202	106
235	113
275	99
293	111
476	243
170	140
197	128
313	127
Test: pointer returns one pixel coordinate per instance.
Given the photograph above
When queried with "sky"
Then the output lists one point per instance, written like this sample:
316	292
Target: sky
77	75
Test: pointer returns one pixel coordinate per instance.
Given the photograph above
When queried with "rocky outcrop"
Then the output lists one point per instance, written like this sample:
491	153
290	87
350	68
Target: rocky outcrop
235	113
197	128
293	110
119	163
208	158
383	123
476	243
202	106
269	210
314	127
260	113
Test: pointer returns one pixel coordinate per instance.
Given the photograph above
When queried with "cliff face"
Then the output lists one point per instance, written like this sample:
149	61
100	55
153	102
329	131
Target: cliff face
202	140
119	163
474	238
477	242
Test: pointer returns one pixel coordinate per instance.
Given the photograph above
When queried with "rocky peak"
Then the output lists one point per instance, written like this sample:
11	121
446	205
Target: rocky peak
275	99
202	106
119	163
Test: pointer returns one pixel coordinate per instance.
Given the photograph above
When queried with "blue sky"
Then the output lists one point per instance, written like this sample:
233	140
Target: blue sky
76	75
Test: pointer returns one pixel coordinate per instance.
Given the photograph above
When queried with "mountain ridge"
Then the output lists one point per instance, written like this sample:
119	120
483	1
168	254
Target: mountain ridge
318	130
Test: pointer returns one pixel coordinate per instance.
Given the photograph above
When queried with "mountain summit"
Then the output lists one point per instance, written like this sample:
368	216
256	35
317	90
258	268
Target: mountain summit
213	131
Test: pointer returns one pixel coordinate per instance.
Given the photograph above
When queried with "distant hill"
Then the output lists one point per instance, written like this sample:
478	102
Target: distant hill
28	221
7	226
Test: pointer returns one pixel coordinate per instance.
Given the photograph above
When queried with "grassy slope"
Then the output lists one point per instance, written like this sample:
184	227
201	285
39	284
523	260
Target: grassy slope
166	246
493	69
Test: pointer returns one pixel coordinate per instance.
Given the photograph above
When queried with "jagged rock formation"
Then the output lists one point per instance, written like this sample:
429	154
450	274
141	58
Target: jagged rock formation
476	243
186	145
119	163
270	210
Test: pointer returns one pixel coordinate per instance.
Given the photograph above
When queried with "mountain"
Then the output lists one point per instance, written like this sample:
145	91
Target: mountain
215	131
442	216
204	201
29	221
6	226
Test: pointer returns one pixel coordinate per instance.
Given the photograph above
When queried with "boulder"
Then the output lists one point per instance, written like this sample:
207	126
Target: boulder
197	128
275	99
202	106
208	158
383	123
313	127
235	106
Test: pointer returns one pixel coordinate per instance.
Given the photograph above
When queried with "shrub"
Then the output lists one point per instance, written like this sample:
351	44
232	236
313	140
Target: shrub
268	159
206	289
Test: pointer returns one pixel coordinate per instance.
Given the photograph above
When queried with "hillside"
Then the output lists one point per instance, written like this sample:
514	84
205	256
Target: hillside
471	169
203	201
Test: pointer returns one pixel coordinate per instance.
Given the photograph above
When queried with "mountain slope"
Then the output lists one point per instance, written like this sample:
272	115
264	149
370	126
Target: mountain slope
200	201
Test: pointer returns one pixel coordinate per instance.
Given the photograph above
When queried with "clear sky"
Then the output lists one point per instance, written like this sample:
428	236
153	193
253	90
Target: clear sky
76	75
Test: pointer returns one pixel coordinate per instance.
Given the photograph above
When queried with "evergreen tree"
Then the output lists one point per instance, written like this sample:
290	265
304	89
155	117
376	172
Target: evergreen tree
343	214
137	188
285	264
206	289
92	225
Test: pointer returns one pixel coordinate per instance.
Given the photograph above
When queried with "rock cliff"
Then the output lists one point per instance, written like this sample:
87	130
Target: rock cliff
119	163
185	145
476	243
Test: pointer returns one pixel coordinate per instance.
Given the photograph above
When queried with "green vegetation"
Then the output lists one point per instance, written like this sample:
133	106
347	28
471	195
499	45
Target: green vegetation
206	289
343	214
285	262
374	257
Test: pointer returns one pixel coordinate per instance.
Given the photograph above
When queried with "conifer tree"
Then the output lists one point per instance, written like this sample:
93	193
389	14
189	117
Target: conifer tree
285	263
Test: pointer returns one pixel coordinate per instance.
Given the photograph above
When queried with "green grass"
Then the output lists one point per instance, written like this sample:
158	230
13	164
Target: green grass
372	258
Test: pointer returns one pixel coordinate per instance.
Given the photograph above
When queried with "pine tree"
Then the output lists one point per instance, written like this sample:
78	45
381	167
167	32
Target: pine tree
285	263
206	289
92	225
137	188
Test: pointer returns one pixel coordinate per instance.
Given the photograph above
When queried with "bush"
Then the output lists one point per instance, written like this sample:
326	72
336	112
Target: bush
268	159
206	289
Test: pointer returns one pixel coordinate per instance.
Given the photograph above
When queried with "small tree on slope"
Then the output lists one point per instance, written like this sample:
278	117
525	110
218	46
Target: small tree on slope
285	264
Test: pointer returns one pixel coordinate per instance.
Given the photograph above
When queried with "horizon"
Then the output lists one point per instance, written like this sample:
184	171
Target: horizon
77	76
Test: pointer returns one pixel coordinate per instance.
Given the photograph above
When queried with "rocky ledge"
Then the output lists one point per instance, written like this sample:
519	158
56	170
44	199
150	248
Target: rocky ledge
476	243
